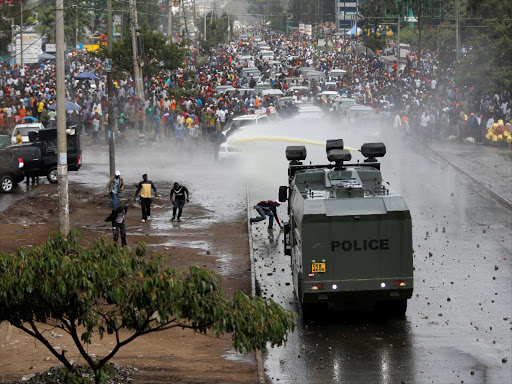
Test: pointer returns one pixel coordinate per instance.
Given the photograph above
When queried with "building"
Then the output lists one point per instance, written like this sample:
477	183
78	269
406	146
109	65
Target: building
347	14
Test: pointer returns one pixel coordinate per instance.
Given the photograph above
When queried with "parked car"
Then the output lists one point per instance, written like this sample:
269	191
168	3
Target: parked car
40	155
11	170
24	130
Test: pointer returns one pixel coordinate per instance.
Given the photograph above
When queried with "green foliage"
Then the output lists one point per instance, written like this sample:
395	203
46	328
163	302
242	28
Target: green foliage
8	13
158	54
216	30
103	288
373	41
487	64
74	19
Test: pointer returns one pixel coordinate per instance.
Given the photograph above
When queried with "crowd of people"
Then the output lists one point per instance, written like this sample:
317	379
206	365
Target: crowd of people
184	106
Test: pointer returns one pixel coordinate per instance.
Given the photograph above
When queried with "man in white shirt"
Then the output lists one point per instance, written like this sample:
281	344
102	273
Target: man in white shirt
490	122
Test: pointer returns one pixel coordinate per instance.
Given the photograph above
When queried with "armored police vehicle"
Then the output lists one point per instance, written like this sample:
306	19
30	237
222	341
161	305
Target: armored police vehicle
349	235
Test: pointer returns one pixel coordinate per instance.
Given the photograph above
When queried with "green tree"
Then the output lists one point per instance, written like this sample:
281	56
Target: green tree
487	40
425	11
103	288
376	13
158	53
11	12
216	30
76	18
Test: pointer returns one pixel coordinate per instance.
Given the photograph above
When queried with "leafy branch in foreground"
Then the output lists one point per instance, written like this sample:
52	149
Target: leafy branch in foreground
104	288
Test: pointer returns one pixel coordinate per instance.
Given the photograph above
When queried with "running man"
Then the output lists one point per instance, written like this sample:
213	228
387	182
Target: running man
179	195
145	187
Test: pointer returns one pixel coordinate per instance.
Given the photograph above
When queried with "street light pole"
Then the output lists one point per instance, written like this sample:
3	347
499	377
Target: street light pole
169	22
110	90
21	34
457	31
137	71
398	52
204	21
76	27
62	151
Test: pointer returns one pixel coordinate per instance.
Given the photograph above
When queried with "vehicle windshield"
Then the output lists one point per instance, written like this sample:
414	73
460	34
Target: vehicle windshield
244	123
25	130
361	113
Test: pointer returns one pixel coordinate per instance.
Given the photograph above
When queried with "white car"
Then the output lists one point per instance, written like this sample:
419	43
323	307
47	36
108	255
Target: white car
227	153
329	95
309	111
24	130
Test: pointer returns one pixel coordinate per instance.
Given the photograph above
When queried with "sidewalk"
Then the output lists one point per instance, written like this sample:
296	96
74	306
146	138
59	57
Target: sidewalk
490	167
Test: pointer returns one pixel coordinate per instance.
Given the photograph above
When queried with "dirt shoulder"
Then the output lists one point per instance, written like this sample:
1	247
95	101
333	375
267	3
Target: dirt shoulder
169	356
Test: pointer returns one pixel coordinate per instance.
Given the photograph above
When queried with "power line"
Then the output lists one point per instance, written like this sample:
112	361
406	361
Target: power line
24	49
24	11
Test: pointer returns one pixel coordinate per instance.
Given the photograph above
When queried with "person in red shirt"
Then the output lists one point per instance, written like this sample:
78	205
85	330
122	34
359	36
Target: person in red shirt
16	118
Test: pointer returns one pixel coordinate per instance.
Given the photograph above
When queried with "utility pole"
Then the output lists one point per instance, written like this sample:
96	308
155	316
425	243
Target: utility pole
110	90
137	70
62	150
21	34
398	52
185	19
457	33
76	27
169	22
229	27
344	19
204	17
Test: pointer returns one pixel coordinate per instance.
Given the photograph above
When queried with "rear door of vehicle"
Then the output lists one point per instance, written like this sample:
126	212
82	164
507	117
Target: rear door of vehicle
7	165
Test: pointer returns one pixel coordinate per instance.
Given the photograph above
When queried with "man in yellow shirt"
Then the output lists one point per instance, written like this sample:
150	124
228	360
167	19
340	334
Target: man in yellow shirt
189	122
40	108
145	187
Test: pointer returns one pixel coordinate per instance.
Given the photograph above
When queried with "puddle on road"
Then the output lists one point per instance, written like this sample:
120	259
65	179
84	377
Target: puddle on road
232	355
223	259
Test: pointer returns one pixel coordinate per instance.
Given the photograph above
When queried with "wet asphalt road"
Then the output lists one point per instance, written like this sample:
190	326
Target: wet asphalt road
458	324
455	323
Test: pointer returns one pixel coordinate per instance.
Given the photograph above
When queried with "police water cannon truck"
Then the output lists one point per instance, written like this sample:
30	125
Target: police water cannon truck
349	235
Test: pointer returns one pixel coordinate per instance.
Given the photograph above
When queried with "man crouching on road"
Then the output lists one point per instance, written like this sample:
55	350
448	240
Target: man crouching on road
179	194
267	208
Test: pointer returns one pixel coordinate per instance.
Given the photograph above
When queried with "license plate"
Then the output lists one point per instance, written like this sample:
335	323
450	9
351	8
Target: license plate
317	267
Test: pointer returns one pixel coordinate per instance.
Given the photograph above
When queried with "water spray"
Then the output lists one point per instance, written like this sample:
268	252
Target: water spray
239	140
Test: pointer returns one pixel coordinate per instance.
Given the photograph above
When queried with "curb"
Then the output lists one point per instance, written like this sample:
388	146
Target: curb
502	200
259	356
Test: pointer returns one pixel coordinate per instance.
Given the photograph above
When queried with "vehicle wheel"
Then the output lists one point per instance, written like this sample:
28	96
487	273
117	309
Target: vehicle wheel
7	184
393	308
52	175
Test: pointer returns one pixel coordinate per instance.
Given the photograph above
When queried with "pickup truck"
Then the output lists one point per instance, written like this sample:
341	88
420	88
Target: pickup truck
40	155
11	170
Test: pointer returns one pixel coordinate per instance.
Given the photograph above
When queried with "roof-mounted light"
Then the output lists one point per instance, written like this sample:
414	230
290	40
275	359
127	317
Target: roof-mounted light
372	150
296	153
334	144
339	155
